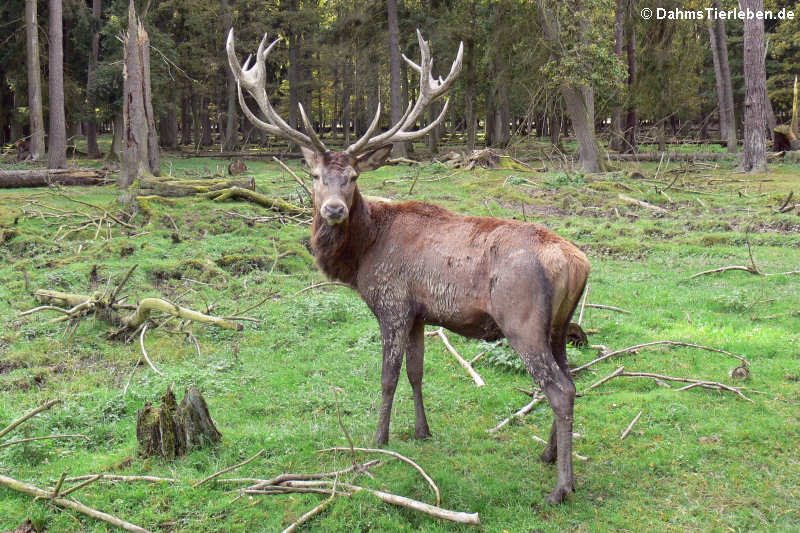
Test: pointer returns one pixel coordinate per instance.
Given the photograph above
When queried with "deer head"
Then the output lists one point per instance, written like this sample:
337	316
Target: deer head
335	173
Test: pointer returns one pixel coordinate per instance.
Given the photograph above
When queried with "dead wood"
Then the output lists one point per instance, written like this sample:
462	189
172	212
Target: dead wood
229	469
275	204
171	430
537	398
46	437
27	416
295	176
630	426
32	490
464	363
46	177
656	343
642	203
674	156
715	385
172	187
609	308
397	456
121	477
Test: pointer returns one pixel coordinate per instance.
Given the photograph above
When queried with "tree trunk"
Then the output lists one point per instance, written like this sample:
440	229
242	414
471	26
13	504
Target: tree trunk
115	152
57	152
617	141
294	67
92	150
754	158
231	124
169	129
631	121
34	81
395	84
135	159
719	52
186	120
153	151
206	138
45	178
346	90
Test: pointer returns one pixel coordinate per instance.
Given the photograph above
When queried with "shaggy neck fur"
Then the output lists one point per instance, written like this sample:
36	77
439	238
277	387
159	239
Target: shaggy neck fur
338	248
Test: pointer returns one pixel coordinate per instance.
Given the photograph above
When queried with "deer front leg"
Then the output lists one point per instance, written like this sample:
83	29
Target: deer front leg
394	336
415	355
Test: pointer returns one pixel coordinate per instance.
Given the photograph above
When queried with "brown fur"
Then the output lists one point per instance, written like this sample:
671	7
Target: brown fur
414	263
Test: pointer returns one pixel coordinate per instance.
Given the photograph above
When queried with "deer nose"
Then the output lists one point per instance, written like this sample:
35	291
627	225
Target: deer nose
334	212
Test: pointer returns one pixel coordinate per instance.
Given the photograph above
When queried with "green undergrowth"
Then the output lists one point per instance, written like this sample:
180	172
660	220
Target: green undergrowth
696	460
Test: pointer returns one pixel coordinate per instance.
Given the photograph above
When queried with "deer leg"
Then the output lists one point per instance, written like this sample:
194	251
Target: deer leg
415	355
394	339
558	344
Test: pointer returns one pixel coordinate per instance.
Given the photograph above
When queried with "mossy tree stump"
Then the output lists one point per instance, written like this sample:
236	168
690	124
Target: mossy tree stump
172	430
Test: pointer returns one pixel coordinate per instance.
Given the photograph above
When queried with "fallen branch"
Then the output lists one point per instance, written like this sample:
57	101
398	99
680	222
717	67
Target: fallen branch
715	385
32	490
397	456
642	203
402	501
121	477
519	414
264	483
26	416
135	319
656	343
47	177
321	284
609	308
630	426
144	352
295	176
48	437
229	469
463	362
612	375
276	204
310	514
81	485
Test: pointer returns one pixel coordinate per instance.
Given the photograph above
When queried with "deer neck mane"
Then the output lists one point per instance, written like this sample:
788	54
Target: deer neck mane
338	248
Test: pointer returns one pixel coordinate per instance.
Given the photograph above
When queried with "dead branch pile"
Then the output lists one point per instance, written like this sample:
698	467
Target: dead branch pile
486	158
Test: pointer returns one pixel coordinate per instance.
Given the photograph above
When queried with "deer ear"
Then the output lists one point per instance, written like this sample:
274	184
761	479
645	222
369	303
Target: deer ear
313	158
374	159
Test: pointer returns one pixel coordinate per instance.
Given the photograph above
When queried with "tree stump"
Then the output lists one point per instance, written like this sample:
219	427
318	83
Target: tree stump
237	167
172	430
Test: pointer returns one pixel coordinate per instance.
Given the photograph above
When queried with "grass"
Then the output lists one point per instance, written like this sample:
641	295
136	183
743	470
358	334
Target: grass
697	460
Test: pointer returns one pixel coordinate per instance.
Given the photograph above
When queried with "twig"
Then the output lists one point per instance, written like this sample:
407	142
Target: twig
519	414
31	414
21	441
264	483
583	304
630	426
130	377
144	352
609	308
464	363
341	423
70	504
397	456
402	501
229	469
642	203
612	375
296	178
57	489
699	382
655	343
81	485
322	284
748	268
313	512
487	350
122	283
121	477
785	203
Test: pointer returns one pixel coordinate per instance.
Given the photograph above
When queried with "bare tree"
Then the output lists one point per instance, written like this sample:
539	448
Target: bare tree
722	71
231	124
57	152
395	85
34	81
91	125
754	158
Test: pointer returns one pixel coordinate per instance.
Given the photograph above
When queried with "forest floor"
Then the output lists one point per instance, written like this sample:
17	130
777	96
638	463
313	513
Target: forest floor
696	460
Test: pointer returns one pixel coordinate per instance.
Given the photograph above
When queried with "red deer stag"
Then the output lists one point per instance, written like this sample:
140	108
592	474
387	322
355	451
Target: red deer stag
414	263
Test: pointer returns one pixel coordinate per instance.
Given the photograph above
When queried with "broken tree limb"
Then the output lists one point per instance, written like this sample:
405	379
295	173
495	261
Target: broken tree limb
171	187
276	204
656	343
519	414
715	385
144	352
46	437
32	490
27	416
642	203
135	319
674	156
311	514
295	176
43	177
122	477
402	501
463	362
397	456
609	308
264	483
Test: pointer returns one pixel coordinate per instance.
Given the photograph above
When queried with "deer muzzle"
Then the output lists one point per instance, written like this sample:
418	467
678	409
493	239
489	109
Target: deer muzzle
334	212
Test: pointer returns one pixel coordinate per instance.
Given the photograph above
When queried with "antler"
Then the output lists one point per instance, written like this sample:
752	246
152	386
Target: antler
253	78
429	90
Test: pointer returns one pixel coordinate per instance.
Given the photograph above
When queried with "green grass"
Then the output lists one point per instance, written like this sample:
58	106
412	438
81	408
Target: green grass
697	460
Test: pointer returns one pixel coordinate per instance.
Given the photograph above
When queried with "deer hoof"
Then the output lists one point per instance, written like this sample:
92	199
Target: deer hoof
559	495
422	434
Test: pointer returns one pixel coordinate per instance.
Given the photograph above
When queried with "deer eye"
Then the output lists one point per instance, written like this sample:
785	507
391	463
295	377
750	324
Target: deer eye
314	176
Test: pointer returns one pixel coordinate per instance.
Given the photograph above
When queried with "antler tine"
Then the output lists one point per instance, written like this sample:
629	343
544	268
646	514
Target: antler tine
411	135
253	78
315	140
384	137
257	122
361	143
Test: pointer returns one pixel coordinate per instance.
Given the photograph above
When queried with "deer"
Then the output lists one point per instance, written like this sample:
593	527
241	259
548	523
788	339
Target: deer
416	264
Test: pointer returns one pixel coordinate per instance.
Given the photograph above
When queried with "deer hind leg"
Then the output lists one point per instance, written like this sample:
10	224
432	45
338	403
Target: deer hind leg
415	355
395	337
558	344
529	335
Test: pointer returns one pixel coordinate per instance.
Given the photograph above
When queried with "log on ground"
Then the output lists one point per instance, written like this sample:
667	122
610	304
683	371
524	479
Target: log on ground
42	177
